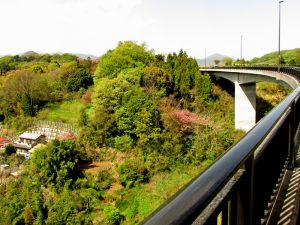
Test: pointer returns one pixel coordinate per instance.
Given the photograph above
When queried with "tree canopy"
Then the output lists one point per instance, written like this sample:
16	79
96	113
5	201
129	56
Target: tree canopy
139	117
289	57
56	162
126	55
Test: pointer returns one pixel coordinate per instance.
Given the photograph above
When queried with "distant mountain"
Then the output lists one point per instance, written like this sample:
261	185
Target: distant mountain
290	57
85	56
210	59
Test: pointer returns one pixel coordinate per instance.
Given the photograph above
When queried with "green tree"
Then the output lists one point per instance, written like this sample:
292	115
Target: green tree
6	64
155	77
45	58
132	75
108	93
67	69
227	61
26	89
78	79
282	60
38	69
217	61
203	86
26	105
56	162
123	143
126	55
66	57
183	70
63	58
72	207
139	118
292	62
83	118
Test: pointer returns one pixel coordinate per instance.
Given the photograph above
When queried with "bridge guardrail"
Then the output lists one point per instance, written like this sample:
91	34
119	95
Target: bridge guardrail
260	158
290	70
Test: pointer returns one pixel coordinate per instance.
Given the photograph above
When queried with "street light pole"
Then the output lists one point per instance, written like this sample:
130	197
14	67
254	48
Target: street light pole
279	56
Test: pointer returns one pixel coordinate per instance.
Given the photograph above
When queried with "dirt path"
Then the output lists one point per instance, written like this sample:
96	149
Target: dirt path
96	167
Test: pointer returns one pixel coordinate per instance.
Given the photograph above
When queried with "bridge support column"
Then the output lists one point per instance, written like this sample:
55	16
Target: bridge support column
245	106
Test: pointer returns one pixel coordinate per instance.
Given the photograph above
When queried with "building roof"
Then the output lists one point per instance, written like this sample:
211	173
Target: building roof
4	141
30	136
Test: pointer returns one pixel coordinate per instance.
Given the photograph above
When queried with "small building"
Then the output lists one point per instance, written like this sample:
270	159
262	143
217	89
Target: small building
4	142
27	141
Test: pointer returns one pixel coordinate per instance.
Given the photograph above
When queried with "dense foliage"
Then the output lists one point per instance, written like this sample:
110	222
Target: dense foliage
55	163
146	117
32	80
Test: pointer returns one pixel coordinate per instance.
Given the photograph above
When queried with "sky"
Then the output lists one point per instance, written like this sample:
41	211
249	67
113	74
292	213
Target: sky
196	26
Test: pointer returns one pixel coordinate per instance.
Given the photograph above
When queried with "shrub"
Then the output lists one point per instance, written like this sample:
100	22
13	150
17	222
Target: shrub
123	143
132	172
113	215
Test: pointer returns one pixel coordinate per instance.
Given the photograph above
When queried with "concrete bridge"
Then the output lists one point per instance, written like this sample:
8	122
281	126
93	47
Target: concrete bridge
257	181
245	89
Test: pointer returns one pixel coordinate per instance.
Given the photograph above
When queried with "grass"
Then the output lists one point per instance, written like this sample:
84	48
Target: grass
142	200
268	95
67	112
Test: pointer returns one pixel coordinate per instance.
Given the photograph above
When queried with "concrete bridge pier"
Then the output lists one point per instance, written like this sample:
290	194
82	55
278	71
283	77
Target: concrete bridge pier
245	105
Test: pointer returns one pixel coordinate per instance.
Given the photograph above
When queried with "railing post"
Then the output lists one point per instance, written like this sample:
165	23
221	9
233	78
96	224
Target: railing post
225	214
234	210
241	204
292	133
247	191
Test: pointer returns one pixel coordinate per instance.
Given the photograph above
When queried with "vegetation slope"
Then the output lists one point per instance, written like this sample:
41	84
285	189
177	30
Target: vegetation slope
288	57
147	124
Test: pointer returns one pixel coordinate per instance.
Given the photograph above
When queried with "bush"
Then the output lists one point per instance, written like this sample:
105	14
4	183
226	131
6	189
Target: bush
132	172
79	79
113	215
55	163
123	143
157	162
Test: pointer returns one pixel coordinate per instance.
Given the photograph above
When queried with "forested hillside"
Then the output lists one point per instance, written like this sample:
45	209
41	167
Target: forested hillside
288	57
148	124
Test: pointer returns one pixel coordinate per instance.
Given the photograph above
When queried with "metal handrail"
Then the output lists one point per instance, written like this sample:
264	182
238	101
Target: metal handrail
188	203
290	70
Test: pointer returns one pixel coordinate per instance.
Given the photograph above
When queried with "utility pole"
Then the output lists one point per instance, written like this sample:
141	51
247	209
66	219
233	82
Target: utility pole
279	56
